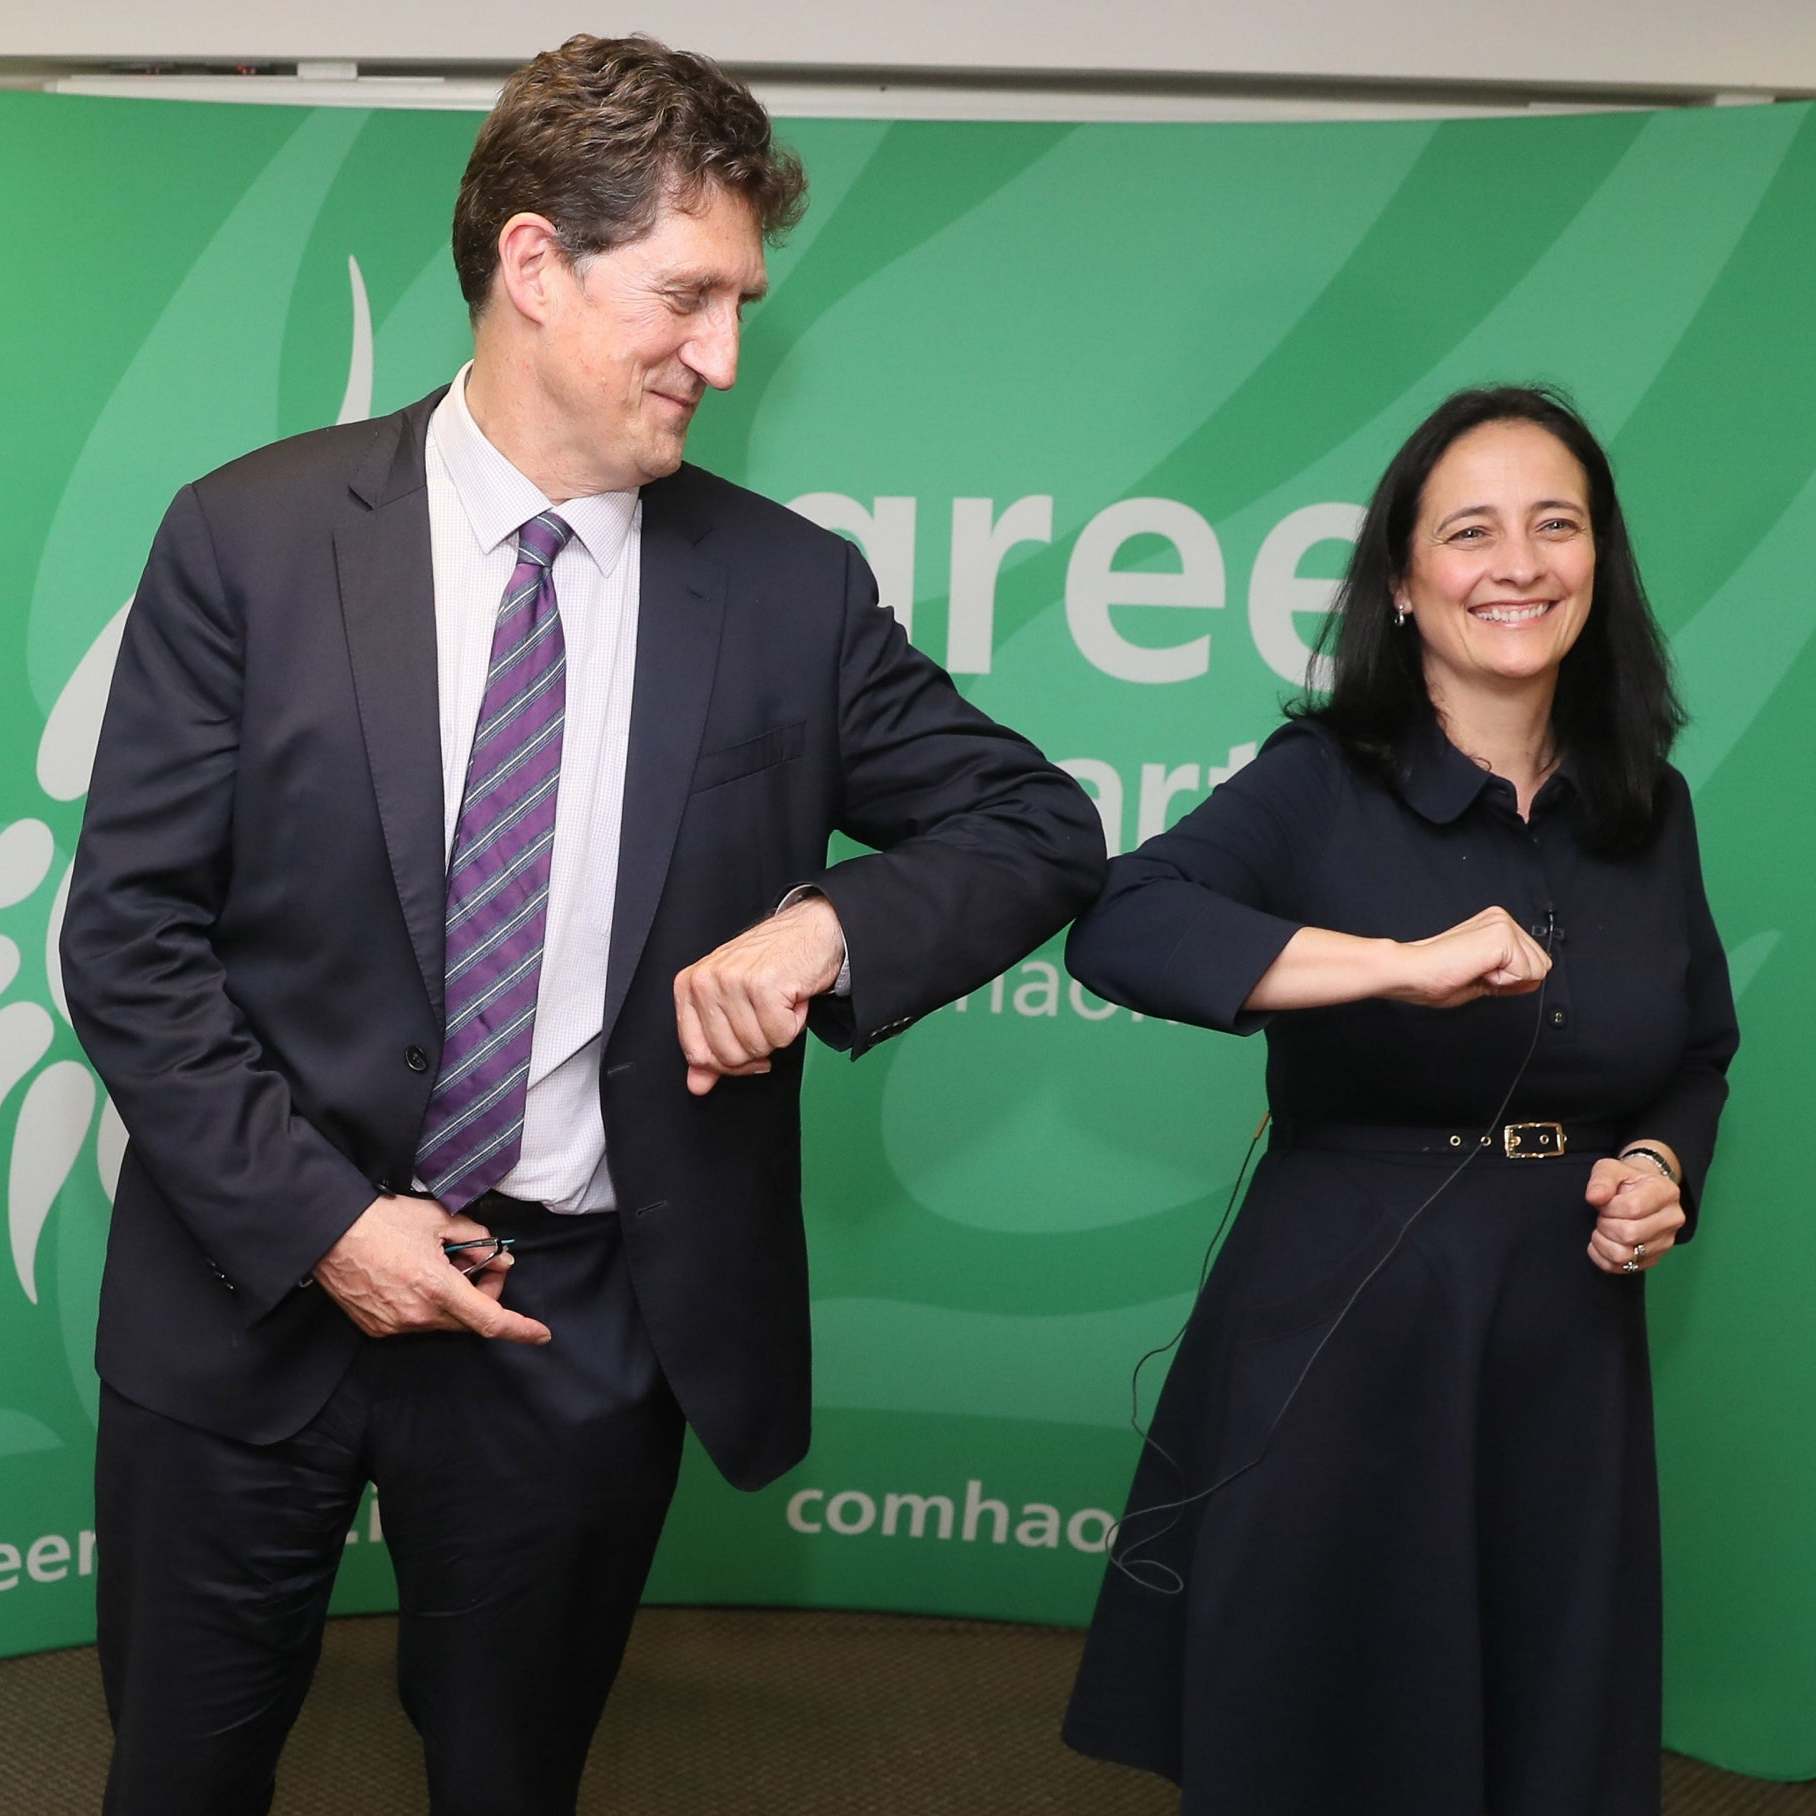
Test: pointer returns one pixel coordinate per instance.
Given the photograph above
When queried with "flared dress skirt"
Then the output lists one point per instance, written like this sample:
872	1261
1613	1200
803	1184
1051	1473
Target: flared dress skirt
1429	1585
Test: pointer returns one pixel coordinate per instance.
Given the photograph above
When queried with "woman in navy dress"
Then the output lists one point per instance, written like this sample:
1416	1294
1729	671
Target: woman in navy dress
1392	1549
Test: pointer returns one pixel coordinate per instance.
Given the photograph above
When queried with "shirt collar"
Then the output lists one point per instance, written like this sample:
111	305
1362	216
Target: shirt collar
499	500
1439	782
1436	779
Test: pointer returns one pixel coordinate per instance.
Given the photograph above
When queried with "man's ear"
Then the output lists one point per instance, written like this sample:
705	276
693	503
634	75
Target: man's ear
529	260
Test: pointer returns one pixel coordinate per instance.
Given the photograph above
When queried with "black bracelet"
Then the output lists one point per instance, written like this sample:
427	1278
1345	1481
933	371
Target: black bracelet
1657	1159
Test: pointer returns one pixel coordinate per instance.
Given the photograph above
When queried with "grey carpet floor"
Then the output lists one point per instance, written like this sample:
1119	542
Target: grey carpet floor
722	1712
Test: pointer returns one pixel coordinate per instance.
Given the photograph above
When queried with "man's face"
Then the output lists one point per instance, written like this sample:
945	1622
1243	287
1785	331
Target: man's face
637	334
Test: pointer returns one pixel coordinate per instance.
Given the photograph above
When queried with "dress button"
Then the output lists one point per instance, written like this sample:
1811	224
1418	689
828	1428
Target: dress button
416	1059
1558	1018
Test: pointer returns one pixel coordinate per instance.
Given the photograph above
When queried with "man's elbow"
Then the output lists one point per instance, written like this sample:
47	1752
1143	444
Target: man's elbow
73	947
87	1009
89	954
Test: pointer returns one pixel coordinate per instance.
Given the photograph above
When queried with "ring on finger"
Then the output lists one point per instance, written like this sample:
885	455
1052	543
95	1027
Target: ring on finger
1639	1251
1629	1267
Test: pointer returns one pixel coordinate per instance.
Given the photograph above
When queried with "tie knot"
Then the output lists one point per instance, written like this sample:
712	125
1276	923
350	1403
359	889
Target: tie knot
542	539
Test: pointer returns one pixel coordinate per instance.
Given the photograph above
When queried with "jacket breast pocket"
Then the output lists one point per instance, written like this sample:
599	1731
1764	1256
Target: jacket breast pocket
746	758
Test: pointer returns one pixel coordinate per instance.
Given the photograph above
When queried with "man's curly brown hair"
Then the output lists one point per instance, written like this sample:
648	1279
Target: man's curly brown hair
603	132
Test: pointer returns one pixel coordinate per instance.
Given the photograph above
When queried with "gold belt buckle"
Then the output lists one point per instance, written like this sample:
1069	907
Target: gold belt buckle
1533	1140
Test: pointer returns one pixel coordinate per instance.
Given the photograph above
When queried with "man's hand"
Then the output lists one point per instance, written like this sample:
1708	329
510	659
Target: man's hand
389	1275
749	998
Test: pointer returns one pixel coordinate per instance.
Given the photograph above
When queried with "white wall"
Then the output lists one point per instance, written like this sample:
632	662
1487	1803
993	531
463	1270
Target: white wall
1652	46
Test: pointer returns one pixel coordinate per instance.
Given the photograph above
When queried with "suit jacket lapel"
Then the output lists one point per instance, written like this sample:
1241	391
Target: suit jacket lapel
680	613
387	585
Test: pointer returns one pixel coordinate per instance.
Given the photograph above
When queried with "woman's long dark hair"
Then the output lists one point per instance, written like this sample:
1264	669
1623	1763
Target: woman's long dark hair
1616	713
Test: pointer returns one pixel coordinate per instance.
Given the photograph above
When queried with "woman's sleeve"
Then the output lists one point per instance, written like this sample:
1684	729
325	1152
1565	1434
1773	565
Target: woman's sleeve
1187	925
1686	1113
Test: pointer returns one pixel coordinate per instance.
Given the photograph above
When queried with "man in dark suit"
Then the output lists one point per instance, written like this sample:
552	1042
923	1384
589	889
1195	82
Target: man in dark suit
451	901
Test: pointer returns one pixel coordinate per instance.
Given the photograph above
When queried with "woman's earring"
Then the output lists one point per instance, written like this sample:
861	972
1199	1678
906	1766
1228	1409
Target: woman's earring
1401	614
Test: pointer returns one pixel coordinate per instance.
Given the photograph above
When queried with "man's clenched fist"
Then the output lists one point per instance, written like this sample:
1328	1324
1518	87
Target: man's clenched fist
747	999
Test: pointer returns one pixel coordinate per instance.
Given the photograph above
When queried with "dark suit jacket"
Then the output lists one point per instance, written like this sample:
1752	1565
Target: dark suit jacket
253	943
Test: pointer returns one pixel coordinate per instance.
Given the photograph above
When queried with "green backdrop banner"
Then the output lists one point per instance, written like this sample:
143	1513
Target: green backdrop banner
1102	404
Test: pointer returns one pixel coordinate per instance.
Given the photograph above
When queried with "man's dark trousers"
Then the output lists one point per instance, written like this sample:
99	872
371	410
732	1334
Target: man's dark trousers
521	1491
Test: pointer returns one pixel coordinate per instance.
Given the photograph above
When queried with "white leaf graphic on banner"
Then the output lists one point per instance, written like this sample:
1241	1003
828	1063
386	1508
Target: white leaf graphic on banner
53	938
59	1106
25	1035
25	1032
110	1147
26	849
66	751
356	400
53	1124
66	759
58	1110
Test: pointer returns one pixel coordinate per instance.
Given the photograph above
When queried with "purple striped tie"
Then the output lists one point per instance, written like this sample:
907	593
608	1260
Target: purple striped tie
498	886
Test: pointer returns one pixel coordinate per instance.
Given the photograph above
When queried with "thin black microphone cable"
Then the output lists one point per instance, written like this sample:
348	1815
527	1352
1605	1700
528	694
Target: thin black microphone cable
1204	1273
1163	1579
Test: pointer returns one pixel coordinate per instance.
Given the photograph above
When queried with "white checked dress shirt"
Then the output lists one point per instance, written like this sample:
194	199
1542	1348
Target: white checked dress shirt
477	501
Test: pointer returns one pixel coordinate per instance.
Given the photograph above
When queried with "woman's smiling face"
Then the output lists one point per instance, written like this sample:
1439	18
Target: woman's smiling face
1501	564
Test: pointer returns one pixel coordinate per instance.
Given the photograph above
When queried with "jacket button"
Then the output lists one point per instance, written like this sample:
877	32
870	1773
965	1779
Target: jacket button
1558	1018
416	1059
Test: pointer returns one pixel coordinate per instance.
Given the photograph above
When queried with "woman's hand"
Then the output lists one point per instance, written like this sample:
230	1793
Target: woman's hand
1639	1211
1491	955
1488	955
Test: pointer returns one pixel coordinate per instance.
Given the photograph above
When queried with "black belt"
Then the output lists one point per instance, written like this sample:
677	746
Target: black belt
1542	1140
497	1204
501	1204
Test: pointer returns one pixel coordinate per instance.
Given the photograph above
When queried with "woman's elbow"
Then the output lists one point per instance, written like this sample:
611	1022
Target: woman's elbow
1100	944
